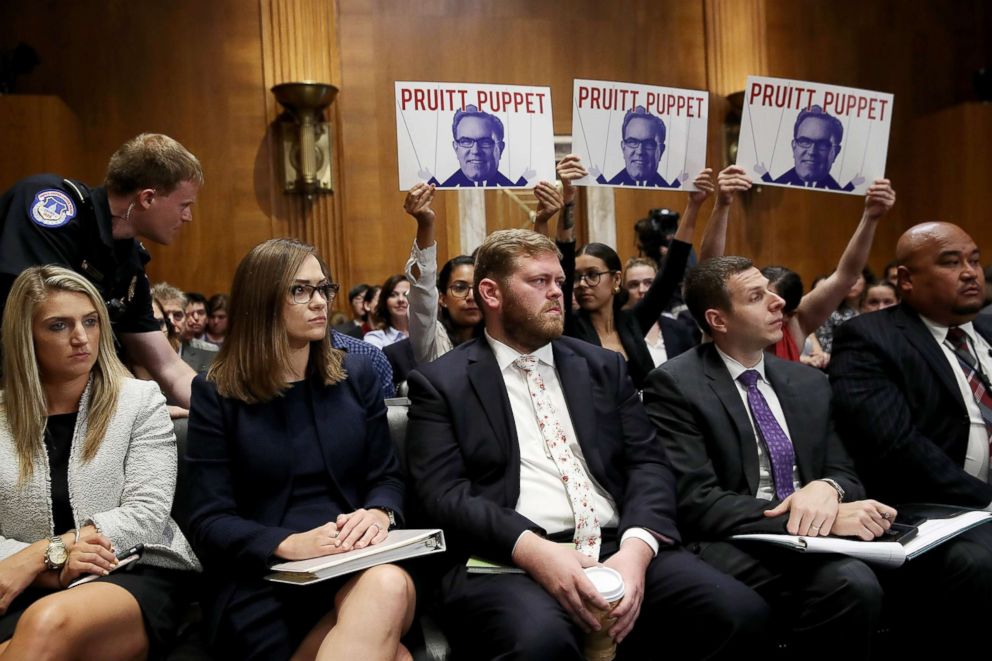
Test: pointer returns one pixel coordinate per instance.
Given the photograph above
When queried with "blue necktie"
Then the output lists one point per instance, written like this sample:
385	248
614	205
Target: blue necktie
779	446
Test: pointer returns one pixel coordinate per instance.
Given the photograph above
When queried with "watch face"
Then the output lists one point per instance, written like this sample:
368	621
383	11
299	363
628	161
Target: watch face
57	554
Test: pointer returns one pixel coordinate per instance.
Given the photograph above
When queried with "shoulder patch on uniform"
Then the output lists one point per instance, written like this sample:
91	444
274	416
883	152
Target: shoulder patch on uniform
52	208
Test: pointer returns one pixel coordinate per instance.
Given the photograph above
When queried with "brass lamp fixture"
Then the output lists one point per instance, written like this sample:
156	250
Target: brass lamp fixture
305	136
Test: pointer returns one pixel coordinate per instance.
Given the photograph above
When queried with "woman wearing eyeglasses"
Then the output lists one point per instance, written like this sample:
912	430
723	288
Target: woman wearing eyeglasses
598	279
392	311
289	457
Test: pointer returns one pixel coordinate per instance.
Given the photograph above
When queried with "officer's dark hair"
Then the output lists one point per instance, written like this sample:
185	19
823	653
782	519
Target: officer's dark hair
788	285
706	286
151	160
195	297
816	112
495	124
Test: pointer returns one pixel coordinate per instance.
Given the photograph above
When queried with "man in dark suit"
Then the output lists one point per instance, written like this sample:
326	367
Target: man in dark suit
754	450
506	485
642	144
906	409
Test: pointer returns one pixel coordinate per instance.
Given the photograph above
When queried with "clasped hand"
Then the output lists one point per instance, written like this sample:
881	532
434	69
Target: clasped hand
814	511
354	530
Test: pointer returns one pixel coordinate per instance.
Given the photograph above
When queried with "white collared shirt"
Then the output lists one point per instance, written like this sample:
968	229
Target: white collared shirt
766	485
656	345
542	497
976	460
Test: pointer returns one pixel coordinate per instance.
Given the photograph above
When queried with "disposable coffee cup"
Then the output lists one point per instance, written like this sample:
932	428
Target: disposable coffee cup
598	645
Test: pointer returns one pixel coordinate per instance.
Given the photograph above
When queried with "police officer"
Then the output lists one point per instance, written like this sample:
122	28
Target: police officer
151	185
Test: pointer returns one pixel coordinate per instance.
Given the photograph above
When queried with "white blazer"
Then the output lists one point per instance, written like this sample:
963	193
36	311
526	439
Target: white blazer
126	490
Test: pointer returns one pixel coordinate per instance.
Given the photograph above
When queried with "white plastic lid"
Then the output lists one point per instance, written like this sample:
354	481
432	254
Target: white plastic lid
607	581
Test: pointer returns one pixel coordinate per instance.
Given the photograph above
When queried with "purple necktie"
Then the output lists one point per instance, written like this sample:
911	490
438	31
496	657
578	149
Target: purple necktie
779	446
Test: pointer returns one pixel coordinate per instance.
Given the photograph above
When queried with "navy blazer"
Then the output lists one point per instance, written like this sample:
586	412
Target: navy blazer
464	455
707	433
240	471
900	411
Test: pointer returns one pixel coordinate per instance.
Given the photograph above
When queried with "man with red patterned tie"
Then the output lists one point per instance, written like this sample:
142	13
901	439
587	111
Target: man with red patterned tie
533	451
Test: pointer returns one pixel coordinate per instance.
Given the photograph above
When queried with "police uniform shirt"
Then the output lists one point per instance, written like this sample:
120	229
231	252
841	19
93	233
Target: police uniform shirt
50	220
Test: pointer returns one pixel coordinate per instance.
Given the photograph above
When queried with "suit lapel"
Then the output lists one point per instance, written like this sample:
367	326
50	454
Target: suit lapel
792	407
487	382
573	372
920	337
726	391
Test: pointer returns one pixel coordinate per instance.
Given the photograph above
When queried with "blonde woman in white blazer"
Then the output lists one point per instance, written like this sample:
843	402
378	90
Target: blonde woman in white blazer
87	469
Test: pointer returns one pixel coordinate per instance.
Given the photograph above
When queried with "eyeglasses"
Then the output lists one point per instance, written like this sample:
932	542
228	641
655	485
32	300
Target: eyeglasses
303	294
647	145
591	278
485	144
460	289
819	145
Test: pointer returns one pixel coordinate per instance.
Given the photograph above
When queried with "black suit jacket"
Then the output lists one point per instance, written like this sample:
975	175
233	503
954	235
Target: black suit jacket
900	411
464	456
704	425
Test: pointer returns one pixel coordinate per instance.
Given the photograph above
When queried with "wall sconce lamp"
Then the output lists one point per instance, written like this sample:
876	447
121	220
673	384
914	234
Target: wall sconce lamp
305	136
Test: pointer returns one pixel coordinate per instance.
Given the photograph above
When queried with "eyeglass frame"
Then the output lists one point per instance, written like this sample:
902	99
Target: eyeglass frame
579	278
824	145
648	144
451	289
485	144
324	288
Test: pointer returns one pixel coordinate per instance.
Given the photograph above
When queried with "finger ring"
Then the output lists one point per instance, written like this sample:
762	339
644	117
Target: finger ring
885	515
814	527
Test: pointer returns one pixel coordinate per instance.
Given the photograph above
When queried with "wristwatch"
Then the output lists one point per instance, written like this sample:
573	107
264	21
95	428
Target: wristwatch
56	553
389	513
837	487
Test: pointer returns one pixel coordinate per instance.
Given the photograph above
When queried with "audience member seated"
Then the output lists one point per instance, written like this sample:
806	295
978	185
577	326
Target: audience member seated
912	406
850	307
196	317
433	331
216	319
601	319
87	469
816	306
987	310
289	457
754	450
369	304
905	378
392	312
356	305
668	336
523	439
880	295
198	354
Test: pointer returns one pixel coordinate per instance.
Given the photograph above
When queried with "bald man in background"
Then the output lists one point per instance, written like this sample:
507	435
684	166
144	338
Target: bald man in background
905	404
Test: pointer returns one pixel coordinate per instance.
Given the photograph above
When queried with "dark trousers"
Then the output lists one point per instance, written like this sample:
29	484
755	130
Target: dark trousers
690	611
828	606
947	589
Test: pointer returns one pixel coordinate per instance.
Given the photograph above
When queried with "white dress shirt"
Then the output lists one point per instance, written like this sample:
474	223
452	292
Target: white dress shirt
542	497
656	345
976	460
766	485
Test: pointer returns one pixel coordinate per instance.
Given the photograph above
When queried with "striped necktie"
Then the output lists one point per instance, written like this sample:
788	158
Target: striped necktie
957	340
